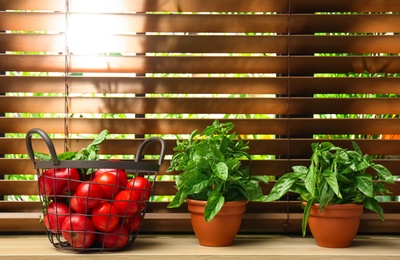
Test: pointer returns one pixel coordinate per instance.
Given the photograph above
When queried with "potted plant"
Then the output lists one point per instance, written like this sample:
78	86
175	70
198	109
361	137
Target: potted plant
213	179
336	178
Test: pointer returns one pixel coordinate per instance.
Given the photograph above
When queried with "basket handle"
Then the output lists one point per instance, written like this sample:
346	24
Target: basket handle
148	141
46	138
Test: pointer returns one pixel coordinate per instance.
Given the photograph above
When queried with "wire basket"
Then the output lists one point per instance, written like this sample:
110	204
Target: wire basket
100	211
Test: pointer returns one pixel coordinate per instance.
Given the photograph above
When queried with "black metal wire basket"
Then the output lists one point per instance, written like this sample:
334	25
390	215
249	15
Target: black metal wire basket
100	211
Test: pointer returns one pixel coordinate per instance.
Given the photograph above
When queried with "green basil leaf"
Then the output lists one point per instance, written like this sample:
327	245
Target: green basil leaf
365	184
310	180
306	216
42	156
67	156
221	170
99	138
373	204
331	180
383	173
214	205
178	199
282	186
197	186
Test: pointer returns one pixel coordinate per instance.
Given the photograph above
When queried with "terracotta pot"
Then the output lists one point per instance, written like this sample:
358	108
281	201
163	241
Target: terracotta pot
336	226
223	228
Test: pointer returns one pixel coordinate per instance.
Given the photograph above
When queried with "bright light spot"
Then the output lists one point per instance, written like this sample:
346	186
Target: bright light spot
92	34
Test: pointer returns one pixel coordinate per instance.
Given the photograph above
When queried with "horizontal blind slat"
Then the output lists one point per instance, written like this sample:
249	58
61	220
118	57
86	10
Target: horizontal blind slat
299	44
160	188
201	65
201	85
139	105
123	23
206	5
300	147
278	126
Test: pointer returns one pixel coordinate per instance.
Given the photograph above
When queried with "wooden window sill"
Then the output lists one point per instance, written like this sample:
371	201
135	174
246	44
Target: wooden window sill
186	247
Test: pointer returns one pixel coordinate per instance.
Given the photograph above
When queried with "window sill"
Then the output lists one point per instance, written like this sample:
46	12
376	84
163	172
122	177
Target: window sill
186	247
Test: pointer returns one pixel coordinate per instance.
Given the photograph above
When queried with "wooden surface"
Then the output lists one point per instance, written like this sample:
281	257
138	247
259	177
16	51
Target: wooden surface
186	247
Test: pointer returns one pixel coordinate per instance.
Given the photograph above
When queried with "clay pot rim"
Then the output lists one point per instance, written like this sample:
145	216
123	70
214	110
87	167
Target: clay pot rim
344	205
203	202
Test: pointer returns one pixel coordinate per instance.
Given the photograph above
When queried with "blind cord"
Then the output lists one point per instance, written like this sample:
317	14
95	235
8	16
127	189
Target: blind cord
286	223
66	74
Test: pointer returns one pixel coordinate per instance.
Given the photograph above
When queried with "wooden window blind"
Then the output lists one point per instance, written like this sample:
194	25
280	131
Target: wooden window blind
287	73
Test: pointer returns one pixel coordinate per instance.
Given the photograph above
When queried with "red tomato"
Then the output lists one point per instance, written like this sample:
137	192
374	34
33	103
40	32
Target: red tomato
141	186
79	231
109	184
105	217
126	202
55	215
78	207
132	224
121	175
89	194
58	181
116	238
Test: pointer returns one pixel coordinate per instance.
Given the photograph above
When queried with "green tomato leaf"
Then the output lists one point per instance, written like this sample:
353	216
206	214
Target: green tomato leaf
214	205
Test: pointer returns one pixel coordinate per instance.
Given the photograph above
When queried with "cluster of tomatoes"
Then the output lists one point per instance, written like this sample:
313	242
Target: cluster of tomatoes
102	210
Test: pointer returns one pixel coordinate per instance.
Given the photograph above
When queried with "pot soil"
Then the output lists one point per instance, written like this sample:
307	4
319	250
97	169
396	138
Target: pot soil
336	226
223	228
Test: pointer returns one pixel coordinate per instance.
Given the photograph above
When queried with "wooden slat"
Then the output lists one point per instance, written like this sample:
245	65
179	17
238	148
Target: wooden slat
123	23
272	64
20	206
38	42
206	6
275	167
49	5
146	6
138	105
138	64
299	147
141	85
298	126
109	146
161	188
344	6
299	44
